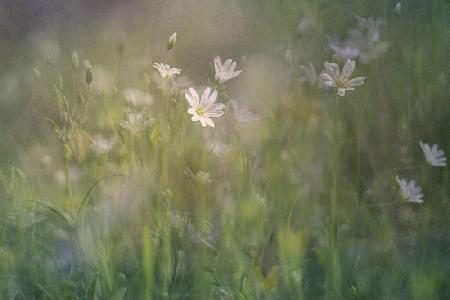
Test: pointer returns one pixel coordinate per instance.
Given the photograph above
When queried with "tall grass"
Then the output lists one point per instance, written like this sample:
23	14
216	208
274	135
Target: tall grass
110	191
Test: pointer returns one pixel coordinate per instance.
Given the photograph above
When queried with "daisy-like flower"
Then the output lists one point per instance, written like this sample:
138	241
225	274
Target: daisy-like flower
341	80
410	191
137	97
226	71
166	71
136	123
100	145
433	155
205	108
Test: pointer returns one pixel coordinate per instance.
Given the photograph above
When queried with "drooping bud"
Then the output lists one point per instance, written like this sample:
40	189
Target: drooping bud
89	75
172	41
75	60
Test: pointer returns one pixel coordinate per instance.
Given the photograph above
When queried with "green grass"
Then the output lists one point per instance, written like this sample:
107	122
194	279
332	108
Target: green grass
303	204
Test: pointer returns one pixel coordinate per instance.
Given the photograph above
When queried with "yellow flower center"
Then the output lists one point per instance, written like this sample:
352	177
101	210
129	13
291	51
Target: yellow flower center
200	111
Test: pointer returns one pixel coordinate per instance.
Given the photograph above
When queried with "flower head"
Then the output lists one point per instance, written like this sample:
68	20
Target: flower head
433	155
135	123
137	97
341	80
100	145
205	108
410	191
166	71
226	71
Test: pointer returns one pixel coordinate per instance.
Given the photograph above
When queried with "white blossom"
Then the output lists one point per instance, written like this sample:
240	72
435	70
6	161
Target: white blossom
205	108
410	191
166	71
341	80
433	155
225	71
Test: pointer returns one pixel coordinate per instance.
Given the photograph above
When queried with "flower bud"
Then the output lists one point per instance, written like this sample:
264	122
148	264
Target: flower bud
172	41
75	60
89	76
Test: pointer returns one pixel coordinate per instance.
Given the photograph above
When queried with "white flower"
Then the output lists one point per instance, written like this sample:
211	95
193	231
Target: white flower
226	71
398	7
345	52
172	41
242	114
100	145
410	191
166	71
205	108
137	97
341	80
135	123
433	155
304	24
310	74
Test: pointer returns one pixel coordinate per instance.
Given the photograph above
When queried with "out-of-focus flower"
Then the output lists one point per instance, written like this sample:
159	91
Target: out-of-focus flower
310	74
398	7
433	155
410	191
172	41
304	24
242	114
345	52
74	175
100	145
226	71
205	108
218	147
363	42
136	123
46	161
104	81
137	97
202	177
341	80
166	71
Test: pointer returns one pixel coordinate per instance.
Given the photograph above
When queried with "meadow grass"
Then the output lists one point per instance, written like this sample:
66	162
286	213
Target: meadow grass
110	189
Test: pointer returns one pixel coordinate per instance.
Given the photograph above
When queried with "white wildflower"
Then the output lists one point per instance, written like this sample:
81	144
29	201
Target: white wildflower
74	175
304	24
242	114
135	123
137	97
166	71
410	191
205	108
310	74
345	52
341	80
433	155
226	71
100	145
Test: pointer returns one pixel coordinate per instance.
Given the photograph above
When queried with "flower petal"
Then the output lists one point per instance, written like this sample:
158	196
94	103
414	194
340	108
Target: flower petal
348	69
356	81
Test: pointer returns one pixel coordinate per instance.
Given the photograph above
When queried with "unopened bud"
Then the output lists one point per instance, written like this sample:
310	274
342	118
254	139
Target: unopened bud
89	76
75	60
172	41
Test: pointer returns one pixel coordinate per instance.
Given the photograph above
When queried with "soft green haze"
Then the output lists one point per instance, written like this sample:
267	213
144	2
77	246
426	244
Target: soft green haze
109	190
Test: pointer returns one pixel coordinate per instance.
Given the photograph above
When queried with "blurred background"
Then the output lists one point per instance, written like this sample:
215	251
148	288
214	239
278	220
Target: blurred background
109	191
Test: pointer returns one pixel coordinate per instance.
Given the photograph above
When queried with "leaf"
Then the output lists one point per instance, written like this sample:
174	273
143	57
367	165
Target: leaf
90	292
88	195
80	144
118	295
63	216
